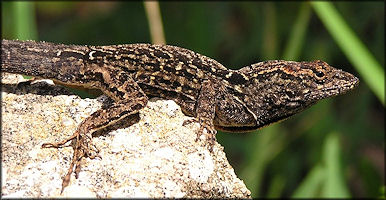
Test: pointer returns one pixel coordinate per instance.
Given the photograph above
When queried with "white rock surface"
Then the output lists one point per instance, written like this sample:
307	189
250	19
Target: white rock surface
156	157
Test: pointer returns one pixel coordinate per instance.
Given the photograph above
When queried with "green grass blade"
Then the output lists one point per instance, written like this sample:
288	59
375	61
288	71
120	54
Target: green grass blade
360	57
296	39
276	187
24	20
310	187
23	14
154	18
382	192
270	32
268	139
335	186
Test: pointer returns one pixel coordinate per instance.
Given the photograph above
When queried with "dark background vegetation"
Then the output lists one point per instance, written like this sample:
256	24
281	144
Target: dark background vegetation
334	149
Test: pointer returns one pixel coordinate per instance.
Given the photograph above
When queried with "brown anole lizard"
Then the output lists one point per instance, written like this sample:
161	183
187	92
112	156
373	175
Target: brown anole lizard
219	98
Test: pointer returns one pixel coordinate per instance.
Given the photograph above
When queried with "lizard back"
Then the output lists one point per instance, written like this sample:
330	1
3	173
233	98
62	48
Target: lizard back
160	70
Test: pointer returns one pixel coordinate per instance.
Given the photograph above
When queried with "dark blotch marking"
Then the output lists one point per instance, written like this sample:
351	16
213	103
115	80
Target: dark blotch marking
197	62
187	75
286	76
181	58
222	73
67	54
161	54
123	77
166	82
137	106
170	69
143	77
144	52
117	92
154	66
126	52
176	84
130	71
98	54
237	79
187	88
98	76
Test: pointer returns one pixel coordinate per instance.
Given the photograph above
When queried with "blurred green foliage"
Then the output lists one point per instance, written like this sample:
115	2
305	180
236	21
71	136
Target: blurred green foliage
356	52
334	149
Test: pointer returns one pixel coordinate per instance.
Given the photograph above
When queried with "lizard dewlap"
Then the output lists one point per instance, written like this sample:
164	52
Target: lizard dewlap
218	98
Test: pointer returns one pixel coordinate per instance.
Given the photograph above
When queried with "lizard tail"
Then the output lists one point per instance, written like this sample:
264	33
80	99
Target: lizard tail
42	59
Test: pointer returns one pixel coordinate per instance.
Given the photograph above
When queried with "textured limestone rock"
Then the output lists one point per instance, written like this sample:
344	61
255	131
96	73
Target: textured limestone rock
156	157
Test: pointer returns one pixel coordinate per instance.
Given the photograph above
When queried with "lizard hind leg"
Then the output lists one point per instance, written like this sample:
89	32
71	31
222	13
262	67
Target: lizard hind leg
124	106
82	138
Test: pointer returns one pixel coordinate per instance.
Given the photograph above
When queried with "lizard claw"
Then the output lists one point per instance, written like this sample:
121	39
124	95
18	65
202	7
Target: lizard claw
189	121
58	144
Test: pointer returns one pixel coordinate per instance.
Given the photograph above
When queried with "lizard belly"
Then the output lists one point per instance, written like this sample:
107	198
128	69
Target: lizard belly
234	120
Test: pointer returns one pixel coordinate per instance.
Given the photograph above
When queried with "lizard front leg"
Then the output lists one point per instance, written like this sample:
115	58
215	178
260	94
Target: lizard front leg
129	99
206	110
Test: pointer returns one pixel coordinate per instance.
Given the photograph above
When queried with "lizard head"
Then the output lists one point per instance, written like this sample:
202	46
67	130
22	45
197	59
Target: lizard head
318	80
278	89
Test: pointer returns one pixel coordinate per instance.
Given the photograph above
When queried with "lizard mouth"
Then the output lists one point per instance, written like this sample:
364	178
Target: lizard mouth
342	88
337	87
239	129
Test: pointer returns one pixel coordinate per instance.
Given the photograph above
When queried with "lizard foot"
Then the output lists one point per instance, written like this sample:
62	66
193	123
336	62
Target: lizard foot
205	129
82	148
209	131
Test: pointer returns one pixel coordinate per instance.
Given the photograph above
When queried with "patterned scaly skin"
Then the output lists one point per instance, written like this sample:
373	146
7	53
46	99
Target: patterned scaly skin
219	98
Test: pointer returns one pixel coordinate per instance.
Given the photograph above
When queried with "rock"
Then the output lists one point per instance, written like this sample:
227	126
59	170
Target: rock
155	157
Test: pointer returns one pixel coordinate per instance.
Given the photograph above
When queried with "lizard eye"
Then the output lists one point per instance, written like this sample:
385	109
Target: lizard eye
319	74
